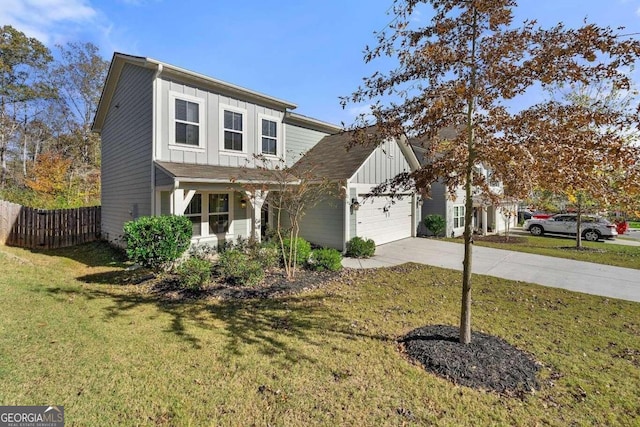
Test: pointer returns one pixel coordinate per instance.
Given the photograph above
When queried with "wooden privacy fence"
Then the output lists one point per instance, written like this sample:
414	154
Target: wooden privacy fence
47	229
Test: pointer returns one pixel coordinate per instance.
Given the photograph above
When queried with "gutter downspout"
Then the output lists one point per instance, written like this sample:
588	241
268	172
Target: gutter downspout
155	140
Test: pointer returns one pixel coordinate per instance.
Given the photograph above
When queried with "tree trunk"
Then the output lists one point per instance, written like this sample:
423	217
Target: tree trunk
465	311
579	223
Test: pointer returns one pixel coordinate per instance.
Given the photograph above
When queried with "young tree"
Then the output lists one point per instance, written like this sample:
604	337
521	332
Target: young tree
291	193
462	70
603	184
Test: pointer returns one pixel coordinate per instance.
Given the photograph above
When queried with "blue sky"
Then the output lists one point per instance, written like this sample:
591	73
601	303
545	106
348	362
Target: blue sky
307	51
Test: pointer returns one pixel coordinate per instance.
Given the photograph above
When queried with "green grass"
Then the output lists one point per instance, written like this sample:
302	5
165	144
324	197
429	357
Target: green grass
564	247
634	224
115	355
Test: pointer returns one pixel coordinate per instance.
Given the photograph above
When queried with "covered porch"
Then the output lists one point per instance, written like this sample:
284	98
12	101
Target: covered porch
491	217
223	203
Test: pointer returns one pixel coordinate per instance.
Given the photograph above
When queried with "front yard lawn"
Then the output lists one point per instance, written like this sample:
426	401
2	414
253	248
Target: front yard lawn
563	247
113	354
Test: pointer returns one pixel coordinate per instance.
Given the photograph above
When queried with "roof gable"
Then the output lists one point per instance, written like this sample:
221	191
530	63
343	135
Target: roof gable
337	157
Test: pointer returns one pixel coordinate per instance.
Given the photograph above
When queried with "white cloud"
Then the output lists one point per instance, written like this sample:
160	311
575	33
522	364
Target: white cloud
50	21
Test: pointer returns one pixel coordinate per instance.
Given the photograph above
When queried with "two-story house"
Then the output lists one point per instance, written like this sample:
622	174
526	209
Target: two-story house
489	216
178	142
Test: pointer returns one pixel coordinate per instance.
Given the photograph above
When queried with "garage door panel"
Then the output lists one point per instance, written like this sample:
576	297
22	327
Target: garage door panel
384	221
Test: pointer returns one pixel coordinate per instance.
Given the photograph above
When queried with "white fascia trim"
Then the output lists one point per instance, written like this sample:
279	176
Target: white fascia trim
155	140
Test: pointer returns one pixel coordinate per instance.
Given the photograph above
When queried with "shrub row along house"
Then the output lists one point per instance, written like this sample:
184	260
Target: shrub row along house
178	142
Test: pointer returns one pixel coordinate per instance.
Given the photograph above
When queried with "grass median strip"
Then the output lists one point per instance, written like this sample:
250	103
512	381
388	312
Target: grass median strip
118	355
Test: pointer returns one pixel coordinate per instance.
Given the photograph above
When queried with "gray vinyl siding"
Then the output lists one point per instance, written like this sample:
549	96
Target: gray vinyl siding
440	204
163	179
385	163
126	152
299	141
211	153
323	225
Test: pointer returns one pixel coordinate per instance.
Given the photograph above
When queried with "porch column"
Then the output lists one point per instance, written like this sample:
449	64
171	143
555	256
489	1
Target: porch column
257	199
180	199
484	220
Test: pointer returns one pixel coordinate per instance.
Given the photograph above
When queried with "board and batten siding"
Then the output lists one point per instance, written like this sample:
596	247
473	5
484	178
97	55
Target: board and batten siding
126	152
299	141
385	163
323	225
211	153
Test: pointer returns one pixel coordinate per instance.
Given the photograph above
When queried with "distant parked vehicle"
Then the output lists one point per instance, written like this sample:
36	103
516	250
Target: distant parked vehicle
593	228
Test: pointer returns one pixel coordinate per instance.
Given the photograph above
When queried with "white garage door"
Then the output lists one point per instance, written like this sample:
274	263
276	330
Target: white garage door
383	221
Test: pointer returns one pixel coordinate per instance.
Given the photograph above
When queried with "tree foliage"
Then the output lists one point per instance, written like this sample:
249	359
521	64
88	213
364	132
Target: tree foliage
47	106
464	71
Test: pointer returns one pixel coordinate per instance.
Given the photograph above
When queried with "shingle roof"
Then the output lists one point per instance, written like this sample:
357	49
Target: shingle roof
218	174
332	159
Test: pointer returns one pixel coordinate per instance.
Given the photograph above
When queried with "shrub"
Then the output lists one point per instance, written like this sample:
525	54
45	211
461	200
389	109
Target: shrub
326	259
157	241
267	256
436	224
360	248
202	251
194	273
239	268
302	250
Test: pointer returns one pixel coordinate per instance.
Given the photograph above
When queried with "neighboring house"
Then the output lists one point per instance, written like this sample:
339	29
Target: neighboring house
488	217
178	142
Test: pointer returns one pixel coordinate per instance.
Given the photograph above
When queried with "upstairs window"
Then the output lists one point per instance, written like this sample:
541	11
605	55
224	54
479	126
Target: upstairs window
187	122
233	130
187	113
269	137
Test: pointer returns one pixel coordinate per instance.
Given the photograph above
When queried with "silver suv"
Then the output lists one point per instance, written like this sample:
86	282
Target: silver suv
593	227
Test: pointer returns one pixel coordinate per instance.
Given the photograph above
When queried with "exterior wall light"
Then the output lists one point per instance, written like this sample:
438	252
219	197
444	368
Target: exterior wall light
243	203
355	205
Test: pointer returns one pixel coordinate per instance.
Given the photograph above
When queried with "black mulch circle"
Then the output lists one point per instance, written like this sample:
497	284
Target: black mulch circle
487	363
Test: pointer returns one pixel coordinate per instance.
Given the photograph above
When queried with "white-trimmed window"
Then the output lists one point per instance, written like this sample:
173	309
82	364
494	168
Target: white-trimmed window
218	213
194	213
458	216
233	129
269	136
187	127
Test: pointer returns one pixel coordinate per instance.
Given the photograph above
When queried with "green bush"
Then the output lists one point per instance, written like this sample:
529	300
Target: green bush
302	248
326	259
239	268
360	248
436	224
194	273
157	241
267	256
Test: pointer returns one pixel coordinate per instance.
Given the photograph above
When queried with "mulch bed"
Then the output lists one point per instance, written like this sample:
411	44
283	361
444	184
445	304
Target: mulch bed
487	363
274	284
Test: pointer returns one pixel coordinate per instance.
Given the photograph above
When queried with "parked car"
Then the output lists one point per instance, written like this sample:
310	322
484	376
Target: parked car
593	227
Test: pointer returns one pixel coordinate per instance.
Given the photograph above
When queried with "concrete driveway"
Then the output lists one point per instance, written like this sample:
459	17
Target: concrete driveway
590	278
